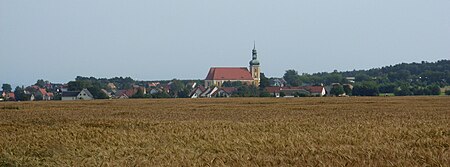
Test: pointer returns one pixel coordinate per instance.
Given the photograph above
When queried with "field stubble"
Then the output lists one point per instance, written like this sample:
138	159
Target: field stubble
355	131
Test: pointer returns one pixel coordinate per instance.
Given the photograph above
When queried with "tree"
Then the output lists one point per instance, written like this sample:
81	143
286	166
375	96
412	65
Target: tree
20	94
401	75
161	94
337	90
387	88
248	91
175	87
41	83
6	88
403	90
362	77
435	89
184	93
292	78
79	85
97	92
264	82
139	94
348	89
264	94
367	88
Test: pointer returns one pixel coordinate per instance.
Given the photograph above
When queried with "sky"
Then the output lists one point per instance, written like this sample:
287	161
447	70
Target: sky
57	40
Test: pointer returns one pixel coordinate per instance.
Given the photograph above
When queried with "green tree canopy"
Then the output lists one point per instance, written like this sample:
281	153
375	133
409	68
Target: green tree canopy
337	90
292	78
41	83
6	88
264	82
367	88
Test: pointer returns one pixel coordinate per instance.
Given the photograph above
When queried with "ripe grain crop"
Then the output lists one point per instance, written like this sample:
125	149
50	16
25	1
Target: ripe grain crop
353	131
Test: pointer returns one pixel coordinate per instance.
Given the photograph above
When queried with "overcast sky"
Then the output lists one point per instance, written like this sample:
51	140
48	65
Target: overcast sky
58	40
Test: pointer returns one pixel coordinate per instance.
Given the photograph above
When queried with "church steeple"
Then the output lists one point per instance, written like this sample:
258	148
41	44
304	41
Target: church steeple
254	66
254	60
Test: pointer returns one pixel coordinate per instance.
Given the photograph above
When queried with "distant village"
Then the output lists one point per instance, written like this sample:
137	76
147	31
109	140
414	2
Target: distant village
222	82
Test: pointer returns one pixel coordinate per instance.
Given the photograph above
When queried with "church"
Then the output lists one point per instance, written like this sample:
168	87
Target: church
218	75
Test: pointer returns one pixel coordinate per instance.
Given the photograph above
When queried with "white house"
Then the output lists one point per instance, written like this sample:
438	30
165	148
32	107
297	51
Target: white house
209	92
197	92
77	95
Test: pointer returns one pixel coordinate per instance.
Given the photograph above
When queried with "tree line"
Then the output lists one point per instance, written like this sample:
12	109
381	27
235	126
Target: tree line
425	78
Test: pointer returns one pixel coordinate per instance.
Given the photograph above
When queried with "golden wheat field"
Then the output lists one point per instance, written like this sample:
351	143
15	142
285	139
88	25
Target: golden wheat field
351	131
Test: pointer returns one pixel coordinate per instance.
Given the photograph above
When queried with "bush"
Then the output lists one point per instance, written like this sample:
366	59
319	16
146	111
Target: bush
434	89
264	94
447	92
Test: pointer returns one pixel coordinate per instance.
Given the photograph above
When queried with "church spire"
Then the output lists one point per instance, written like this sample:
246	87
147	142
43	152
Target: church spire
254	60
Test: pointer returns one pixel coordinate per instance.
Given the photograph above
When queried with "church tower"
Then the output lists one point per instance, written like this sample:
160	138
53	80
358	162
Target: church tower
254	66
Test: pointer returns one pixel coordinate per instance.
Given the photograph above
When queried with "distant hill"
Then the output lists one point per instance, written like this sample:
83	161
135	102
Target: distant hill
424	78
420	73
431	72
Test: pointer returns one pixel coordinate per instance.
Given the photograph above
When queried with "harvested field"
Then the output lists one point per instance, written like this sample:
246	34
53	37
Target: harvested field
354	131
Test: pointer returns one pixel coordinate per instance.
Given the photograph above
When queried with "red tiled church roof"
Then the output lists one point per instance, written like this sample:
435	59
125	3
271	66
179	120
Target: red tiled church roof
229	73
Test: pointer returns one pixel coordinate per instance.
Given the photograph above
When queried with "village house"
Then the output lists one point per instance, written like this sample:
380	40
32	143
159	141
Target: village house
42	94
224	92
209	92
124	94
153	91
8	96
77	95
153	85
111	86
196	92
108	93
218	75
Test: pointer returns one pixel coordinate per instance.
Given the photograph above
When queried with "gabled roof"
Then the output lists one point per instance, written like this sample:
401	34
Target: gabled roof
229	73
128	93
87	93
198	88
229	90
70	93
201	87
42	91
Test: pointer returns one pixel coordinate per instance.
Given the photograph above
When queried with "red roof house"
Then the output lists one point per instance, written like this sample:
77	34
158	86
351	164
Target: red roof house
11	96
